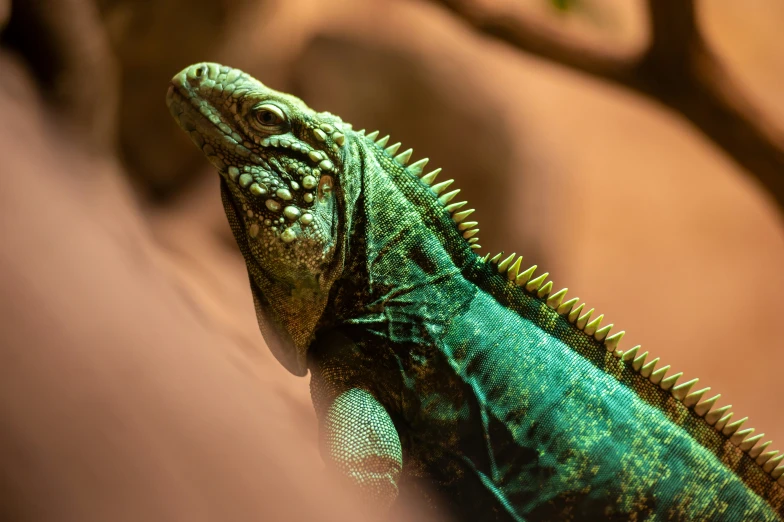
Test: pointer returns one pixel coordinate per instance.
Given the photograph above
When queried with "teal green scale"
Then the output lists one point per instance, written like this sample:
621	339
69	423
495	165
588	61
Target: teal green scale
575	431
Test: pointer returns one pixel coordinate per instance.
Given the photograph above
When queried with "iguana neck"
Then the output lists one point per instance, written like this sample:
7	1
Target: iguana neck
409	244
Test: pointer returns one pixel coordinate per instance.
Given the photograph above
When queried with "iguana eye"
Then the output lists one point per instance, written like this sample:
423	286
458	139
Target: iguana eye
269	115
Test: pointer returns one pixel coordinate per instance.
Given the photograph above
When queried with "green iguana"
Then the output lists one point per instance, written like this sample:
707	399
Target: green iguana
432	364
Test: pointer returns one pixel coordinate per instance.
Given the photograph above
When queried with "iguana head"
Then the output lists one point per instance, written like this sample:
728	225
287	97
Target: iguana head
287	188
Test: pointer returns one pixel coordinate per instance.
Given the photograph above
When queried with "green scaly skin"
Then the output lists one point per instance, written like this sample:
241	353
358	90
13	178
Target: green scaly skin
432	366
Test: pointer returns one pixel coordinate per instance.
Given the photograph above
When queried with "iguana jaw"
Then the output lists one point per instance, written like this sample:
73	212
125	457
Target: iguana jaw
285	203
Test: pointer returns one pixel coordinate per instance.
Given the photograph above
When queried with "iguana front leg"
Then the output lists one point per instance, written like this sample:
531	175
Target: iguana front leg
358	438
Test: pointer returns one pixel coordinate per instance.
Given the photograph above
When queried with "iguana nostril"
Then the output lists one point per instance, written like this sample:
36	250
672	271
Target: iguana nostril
196	74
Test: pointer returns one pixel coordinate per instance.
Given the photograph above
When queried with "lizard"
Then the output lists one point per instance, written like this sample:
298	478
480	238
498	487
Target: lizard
433	365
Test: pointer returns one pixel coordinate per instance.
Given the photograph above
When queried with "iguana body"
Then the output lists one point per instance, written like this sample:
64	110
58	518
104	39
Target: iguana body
465	374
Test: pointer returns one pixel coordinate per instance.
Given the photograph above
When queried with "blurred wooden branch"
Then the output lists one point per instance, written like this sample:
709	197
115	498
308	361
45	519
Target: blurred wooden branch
678	69
65	45
5	12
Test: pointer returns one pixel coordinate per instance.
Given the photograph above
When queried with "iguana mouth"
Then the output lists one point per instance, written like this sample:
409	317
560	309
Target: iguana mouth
186	107
209	131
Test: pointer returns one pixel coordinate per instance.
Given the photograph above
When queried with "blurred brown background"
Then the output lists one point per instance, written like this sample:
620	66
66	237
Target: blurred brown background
632	149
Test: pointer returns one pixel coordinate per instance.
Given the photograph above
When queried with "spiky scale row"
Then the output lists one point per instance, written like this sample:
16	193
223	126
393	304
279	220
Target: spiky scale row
720	418
417	169
510	265
445	199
